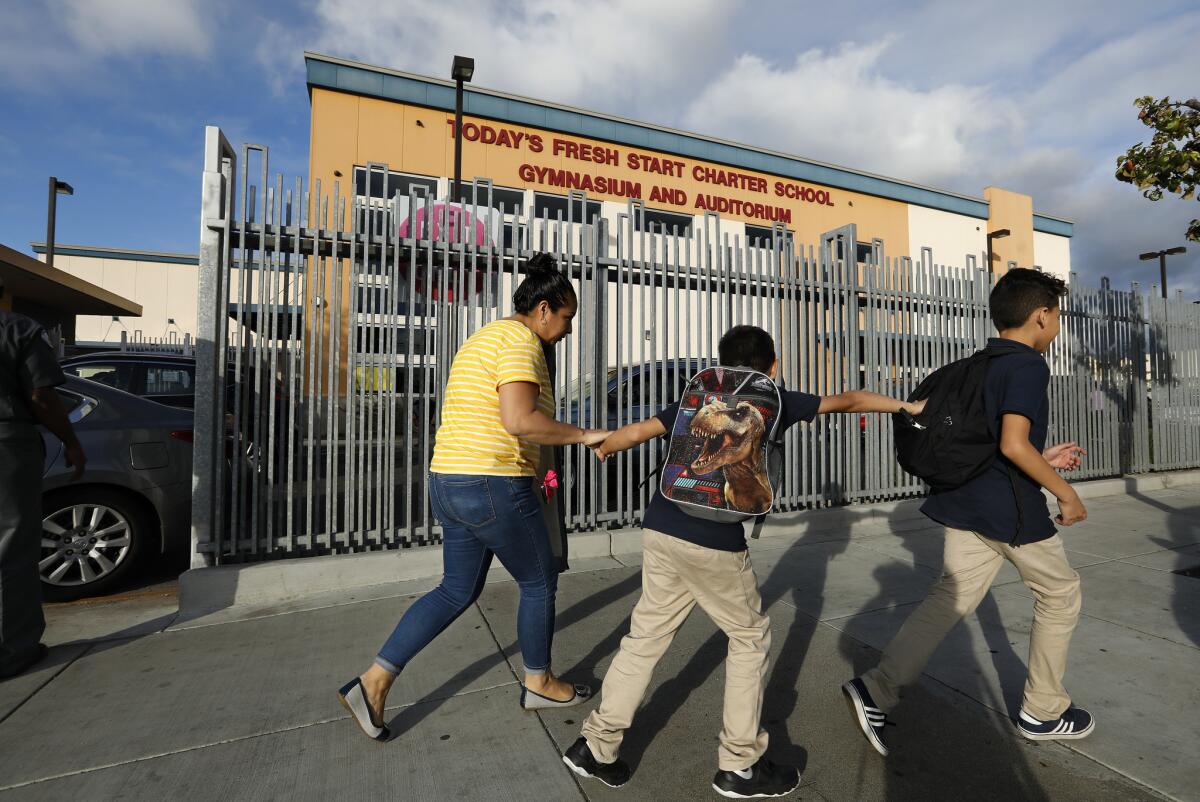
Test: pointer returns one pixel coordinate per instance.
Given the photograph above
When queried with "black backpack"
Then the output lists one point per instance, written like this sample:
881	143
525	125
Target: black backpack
952	441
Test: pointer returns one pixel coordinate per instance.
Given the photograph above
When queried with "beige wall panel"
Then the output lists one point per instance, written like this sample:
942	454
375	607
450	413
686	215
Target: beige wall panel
1053	254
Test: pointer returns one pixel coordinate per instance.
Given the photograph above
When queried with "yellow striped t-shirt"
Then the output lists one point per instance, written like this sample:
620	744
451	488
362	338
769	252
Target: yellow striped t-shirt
471	439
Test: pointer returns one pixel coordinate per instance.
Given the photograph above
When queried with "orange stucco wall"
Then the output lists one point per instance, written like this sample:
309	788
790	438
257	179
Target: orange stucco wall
1014	211
349	130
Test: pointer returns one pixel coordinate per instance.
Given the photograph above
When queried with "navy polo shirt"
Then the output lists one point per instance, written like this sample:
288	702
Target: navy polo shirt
664	515
1015	383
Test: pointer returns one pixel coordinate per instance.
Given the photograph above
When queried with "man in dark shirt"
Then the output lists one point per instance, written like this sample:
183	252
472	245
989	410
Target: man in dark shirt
1001	515
689	561
28	374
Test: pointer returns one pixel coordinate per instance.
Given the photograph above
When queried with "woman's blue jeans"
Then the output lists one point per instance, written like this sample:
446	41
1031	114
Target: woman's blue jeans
482	516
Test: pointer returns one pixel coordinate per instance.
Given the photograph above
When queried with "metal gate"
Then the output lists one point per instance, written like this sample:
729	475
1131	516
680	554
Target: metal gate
329	316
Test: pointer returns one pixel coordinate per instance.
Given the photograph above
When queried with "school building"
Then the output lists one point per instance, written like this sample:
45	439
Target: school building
535	152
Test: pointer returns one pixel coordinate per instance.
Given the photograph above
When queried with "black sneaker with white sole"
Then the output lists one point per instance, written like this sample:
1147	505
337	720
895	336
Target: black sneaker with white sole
579	759
1075	722
871	720
763	779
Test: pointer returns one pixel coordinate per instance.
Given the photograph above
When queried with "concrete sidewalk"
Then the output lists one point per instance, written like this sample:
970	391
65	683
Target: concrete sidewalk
239	704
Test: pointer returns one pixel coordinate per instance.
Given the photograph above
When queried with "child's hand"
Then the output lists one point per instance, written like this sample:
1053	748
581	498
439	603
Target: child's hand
1070	510
599	451
914	408
1065	456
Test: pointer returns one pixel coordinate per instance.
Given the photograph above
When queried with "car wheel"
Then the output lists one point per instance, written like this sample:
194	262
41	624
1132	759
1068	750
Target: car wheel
91	541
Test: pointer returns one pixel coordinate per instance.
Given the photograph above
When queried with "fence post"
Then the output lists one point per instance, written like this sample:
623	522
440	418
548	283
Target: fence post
208	450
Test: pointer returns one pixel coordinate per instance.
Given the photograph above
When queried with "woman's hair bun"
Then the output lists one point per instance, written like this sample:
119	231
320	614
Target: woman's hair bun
541	264
543	281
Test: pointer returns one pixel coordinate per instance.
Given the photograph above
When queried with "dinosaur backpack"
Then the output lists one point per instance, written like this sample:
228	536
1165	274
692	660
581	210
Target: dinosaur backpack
724	462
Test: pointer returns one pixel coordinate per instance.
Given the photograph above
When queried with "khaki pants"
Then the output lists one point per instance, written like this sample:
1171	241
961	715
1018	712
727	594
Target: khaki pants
676	576
970	564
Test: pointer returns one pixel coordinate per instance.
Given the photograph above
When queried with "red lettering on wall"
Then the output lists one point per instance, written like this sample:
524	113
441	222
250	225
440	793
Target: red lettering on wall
821	197
566	179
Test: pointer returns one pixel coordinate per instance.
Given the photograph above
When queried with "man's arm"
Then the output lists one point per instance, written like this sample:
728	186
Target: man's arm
48	408
863	401
630	435
1015	445
521	418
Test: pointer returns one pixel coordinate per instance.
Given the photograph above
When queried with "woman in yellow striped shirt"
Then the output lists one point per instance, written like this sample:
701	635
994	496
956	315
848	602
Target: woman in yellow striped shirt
497	411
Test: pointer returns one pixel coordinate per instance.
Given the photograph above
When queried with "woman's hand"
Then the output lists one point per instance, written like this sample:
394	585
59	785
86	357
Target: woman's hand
594	437
1065	456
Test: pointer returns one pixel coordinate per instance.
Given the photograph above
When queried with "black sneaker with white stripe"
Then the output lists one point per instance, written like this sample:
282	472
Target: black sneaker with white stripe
871	720
1075	722
579	759
763	779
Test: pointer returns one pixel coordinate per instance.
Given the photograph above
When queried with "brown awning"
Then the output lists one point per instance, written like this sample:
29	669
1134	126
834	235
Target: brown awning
26	278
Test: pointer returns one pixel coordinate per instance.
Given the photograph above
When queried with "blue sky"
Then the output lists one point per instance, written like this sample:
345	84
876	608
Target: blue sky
113	95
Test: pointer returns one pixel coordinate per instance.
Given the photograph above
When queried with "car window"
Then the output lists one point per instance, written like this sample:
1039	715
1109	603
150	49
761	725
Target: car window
169	380
114	375
70	401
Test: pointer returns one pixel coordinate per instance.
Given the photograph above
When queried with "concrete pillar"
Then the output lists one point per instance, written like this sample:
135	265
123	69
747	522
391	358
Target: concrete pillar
1013	211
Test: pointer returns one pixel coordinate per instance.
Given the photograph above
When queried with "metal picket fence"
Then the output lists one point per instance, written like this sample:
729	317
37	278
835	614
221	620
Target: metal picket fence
329	317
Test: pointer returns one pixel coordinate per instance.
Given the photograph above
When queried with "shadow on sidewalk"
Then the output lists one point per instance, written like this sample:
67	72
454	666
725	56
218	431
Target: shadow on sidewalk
580	611
1183	529
963	754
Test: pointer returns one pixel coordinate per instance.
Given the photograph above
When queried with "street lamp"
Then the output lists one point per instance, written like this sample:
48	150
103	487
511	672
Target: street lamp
999	233
1161	256
461	71
56	188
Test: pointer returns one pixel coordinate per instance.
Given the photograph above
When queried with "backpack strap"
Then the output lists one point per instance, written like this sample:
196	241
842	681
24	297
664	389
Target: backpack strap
756	530
656	471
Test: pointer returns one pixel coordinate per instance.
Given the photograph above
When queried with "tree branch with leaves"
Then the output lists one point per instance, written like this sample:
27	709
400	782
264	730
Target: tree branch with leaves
1171	162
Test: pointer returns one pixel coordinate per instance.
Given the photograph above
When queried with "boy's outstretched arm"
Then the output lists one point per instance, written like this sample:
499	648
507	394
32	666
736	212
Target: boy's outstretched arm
630	435
863	401
1014	444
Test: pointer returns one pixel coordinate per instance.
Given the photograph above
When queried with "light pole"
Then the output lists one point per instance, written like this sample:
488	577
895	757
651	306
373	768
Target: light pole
56	188
999	233
461	71
1161	256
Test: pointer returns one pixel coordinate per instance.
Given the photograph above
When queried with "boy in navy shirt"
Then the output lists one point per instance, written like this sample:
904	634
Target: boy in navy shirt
1001	515
690	561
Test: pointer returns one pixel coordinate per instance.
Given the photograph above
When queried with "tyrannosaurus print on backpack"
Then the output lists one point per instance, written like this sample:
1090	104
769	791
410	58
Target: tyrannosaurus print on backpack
723	462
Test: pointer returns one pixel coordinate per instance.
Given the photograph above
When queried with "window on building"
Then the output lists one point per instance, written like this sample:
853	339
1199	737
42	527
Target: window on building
552	207
657	221
382	189
761	237
385	187
507	201
862	251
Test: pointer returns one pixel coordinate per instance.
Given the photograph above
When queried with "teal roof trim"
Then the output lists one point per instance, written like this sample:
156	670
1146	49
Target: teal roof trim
1052	225
365	80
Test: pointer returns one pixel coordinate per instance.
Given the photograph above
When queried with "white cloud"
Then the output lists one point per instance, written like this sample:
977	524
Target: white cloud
840	107
63	41
631	55
133	27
